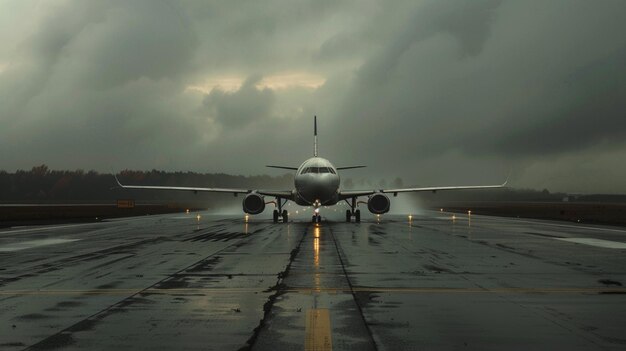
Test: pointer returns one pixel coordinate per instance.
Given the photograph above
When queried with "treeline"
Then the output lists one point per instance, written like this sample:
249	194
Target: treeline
42	185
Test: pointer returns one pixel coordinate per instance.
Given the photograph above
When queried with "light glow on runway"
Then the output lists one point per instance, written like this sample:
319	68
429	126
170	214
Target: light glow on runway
55	227
34	243
607	244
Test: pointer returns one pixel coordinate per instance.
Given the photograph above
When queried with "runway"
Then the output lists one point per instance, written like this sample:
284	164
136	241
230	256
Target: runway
438	281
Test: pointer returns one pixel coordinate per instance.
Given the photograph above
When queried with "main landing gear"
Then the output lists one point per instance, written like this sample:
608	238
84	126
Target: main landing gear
316	218
280	213
354	212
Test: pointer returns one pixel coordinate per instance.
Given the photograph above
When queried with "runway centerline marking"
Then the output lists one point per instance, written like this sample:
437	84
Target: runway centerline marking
34	243
607	244
317	336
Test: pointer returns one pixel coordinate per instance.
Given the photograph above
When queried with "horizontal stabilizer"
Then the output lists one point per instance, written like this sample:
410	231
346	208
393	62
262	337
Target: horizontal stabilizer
350	167
283	167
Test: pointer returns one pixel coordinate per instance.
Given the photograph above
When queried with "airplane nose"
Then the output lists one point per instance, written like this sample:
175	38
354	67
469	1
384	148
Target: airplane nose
315	189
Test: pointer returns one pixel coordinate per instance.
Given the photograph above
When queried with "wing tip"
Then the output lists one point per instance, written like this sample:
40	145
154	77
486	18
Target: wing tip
118	181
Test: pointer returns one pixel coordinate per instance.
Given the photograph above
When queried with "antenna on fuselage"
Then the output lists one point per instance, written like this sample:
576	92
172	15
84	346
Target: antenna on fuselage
315	136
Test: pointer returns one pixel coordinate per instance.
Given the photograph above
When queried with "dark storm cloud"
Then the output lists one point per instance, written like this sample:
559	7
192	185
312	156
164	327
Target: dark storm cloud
90	82
241	107
433	91
513	80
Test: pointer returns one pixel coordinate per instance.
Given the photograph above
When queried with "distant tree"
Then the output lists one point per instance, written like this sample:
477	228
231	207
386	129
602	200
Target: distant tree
39	171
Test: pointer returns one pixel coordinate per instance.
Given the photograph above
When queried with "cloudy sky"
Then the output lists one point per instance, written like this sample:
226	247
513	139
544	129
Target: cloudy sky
436	92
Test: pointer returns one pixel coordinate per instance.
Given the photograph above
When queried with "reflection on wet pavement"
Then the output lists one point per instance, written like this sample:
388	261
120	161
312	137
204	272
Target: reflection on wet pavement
427	281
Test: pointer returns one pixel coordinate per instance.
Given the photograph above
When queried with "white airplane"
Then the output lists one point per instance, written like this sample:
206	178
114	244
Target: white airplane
316	184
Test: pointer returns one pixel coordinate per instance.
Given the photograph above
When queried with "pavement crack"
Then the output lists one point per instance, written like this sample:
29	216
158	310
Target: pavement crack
354	296
279	289
64	337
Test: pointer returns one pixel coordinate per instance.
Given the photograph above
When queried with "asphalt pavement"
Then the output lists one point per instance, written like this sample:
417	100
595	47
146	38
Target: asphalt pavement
432	281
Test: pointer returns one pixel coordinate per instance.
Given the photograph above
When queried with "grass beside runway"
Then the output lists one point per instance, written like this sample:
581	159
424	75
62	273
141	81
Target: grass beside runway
579	212
14	215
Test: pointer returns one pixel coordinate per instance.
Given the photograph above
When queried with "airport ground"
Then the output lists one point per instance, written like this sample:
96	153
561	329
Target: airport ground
435	281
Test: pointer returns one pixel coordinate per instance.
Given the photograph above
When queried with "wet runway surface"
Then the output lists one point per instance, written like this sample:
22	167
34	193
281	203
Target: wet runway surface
218	283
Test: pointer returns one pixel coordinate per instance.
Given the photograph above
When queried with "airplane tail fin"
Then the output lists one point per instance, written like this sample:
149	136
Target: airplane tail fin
315	136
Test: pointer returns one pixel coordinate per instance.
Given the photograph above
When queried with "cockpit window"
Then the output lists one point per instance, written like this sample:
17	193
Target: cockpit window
317	170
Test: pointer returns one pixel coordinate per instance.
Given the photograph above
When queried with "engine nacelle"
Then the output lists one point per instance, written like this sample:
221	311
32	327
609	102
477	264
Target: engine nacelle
253	204
378	203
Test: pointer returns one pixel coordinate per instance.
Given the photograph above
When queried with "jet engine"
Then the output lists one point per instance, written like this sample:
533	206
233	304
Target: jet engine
253	204
378	203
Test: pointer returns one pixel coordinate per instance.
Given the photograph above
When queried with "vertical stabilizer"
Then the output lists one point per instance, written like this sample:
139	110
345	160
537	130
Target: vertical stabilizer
315	136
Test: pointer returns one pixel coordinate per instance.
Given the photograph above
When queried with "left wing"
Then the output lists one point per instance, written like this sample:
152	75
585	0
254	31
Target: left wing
355	193
438	188
284	194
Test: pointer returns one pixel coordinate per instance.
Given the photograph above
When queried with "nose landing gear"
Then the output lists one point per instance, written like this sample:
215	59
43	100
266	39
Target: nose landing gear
316	218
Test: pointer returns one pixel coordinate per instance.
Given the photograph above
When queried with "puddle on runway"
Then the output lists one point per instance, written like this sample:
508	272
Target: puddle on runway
33	243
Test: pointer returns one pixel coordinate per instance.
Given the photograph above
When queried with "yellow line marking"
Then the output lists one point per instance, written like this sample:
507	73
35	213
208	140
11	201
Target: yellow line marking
317	336
410	290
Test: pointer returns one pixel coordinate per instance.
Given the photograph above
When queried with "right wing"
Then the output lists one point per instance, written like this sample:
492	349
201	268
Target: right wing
183	188
283	194
283	167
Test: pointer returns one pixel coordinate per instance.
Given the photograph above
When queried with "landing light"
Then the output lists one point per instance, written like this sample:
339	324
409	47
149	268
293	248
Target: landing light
198	217
187	211
410	217
247	217
441	210
453	217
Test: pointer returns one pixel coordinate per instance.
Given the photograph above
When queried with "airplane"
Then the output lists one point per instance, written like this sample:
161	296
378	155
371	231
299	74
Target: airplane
316	183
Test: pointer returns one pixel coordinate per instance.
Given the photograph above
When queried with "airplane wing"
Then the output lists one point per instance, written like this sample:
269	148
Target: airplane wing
284	194
349	167
283	167
182	188
440	188
356	193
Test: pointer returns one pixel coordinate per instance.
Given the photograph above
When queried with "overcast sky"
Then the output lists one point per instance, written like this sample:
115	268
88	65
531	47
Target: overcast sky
436	92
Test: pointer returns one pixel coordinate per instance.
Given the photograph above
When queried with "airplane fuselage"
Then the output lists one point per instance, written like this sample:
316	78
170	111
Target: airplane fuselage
316	183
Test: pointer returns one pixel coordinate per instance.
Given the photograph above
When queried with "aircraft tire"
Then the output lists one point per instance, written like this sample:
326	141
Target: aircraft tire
357	216
319	219
348	216
275	216
285	216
